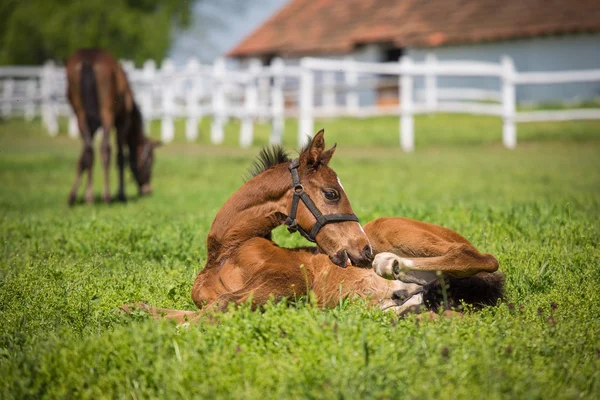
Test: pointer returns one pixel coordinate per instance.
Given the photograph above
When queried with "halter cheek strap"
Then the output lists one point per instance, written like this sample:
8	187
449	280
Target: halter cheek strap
322	220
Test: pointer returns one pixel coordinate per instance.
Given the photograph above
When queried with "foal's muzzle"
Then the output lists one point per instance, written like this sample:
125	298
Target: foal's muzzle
145	189
342	258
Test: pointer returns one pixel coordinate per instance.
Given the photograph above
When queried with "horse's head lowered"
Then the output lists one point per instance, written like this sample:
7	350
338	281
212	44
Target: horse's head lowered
320	209
144	167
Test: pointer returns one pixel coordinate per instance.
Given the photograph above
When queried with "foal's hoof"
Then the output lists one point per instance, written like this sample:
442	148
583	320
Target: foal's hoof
72	198
107	199
89	198
390	266
121	198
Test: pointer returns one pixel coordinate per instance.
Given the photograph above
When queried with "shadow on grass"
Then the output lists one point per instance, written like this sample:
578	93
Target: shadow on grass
99	201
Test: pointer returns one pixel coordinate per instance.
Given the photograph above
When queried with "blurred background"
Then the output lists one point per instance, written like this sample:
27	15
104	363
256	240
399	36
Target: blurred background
479	115
202	68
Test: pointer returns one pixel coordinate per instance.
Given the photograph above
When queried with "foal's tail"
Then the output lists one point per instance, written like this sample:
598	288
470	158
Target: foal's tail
89	92
483	289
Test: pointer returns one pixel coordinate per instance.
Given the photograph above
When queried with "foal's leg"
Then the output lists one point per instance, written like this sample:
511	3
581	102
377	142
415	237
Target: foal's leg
86	161
459	261
121	131
89	188
270	282
105	149
414	251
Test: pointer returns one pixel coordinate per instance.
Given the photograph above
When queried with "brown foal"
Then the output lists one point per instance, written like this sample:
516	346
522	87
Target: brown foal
408	257
100	95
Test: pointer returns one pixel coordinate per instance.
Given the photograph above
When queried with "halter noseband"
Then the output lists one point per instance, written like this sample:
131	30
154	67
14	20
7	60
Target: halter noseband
322	220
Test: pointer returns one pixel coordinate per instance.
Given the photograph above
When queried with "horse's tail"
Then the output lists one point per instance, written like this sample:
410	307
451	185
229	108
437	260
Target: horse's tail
483	289
89	93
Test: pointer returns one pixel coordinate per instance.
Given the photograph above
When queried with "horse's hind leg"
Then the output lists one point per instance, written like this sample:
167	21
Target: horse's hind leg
276	284
121	131
105	151
86	161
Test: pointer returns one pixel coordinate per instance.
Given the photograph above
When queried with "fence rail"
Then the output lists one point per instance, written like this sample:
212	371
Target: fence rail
315	88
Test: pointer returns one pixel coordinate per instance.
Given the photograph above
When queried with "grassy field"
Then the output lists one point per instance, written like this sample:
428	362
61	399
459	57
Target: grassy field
64	271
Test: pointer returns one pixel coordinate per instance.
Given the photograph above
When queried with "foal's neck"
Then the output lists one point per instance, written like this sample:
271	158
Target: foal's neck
253	211
135	137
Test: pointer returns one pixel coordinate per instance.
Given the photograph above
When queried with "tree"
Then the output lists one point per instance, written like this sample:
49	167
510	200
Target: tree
33	31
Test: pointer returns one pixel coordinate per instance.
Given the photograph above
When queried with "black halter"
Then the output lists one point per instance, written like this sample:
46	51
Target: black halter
300	194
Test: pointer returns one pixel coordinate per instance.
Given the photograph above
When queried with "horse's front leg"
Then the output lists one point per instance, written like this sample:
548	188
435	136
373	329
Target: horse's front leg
105	149
414	251
460	261
121	132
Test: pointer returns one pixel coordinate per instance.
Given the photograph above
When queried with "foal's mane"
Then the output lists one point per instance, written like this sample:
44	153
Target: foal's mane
268	157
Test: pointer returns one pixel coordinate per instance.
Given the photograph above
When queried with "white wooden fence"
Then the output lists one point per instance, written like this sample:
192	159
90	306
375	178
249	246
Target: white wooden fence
314	88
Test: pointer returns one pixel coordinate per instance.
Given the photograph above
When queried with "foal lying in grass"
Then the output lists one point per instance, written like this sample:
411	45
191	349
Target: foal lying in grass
394	263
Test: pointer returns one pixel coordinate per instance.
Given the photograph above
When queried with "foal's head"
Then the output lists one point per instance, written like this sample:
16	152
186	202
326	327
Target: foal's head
342	241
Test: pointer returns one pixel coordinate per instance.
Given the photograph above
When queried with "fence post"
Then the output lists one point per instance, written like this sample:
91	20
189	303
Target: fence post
31	92
128	67
509	131
328	96
167	127
250	104
277	102
263	95
218	103
73	126
194	79
147	92
407	136
8	91
306	125
48	107
351	80
431	96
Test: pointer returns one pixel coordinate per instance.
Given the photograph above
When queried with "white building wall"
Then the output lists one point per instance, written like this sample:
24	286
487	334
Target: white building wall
371	52
575	52
562	53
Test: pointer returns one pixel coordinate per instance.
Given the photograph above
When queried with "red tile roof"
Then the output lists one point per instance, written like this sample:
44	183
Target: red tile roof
305	27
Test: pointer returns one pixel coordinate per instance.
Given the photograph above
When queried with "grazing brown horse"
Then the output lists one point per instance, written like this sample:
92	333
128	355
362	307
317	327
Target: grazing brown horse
244	264
100	95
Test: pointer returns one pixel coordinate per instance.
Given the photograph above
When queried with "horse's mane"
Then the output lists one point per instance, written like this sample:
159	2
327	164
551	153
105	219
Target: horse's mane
268	157
271	156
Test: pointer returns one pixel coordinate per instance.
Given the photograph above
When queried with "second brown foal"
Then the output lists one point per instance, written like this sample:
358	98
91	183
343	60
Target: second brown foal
100	95
244	264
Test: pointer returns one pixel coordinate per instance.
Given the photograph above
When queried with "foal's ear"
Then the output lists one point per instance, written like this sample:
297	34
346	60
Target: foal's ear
312	155
326	156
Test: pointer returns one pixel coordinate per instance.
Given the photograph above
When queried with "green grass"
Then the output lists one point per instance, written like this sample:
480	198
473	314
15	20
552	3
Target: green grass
64	271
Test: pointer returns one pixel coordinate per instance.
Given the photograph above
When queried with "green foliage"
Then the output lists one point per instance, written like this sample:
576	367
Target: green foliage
34	31
63	272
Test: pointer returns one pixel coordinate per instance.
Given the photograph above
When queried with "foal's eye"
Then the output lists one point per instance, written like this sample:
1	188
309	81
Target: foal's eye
331	194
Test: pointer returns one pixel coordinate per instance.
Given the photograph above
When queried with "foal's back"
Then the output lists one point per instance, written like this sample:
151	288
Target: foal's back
97	87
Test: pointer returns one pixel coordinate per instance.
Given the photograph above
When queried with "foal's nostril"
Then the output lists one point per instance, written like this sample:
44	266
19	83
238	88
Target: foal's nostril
368	253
